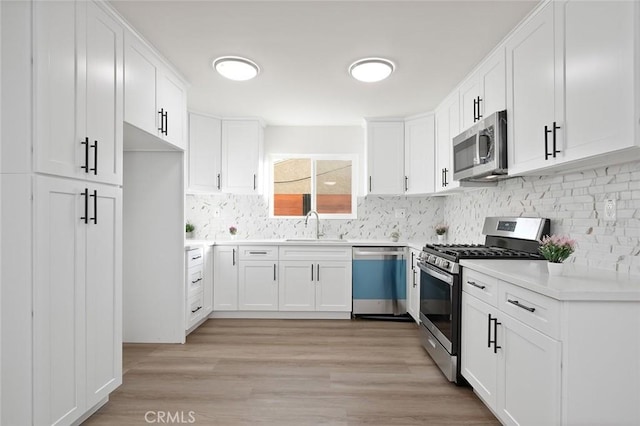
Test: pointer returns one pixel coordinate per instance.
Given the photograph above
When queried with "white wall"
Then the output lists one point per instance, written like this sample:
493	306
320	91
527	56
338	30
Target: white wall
317	140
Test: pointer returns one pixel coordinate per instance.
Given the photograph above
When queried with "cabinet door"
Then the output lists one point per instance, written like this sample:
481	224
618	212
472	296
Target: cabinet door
419	155
413	287
204	153
241	152
59	371
297	286
529	375
258	286
104	95
598	41
225	281
103	294
208	280
140	87
469	94
531	87
172	100
333	286
385	157
479	363
59	76
447	127
493	83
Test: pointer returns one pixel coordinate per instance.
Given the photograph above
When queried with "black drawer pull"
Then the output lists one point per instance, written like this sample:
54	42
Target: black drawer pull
520	305
193	311
196	257
257	252
481	287
198	280
95	158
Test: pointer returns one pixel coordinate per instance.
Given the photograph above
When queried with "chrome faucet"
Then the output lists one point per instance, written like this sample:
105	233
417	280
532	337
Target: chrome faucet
306	222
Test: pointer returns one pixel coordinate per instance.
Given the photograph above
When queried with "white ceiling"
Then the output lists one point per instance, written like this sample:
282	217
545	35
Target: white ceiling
305	47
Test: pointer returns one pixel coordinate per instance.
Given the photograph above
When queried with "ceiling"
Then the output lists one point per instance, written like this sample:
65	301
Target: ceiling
304	49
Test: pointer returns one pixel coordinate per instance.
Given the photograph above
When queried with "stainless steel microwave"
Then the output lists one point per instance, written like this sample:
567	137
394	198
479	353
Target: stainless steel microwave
480	153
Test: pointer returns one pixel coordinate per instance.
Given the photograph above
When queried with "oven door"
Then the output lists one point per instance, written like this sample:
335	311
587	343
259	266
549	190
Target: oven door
438	308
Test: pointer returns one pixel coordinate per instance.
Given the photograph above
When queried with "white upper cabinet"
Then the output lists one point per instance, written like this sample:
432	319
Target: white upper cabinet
242	142
203	154
419	154
447	123
385	157
599	76
484	92
155	99
78	91
570	80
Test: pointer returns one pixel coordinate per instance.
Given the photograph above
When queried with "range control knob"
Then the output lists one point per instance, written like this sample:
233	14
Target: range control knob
445	264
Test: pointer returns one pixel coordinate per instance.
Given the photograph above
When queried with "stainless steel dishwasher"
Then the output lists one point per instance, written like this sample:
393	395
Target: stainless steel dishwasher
379	282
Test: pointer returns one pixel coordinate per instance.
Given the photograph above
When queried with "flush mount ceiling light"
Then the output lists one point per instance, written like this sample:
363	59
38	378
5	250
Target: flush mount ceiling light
370	70
236	68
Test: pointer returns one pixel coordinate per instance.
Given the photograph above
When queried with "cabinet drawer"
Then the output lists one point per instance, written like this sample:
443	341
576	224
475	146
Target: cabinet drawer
315	253
258	252
535	310
195	309
480	285
195	280
194	257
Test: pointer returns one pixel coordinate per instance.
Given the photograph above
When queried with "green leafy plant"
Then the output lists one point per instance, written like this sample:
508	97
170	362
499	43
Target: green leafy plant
556	249
189	227
442	229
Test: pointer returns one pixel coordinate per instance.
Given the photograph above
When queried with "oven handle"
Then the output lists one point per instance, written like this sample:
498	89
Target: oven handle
436	273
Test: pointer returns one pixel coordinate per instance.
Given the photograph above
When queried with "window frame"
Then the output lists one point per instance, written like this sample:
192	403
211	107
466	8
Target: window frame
315	157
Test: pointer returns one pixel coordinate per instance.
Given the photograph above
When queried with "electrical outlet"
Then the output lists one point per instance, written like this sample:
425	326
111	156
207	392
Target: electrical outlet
401	213
610	209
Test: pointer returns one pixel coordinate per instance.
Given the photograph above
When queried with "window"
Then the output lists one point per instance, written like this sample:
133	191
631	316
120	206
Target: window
321	183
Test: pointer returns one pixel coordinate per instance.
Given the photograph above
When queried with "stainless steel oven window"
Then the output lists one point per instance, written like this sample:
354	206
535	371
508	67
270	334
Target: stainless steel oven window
437	303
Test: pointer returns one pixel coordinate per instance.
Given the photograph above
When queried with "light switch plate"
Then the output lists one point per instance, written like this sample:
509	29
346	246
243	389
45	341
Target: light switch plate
610	209
401	213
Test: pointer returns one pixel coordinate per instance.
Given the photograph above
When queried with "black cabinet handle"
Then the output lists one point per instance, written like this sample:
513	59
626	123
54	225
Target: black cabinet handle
254	182
415	283
234	257
196	257
479	115
489	332
495	335
196	281
166	123
193	311
274	271
369	183
218	180
95	207
257	252
546	142
481	287
95	158
475	105
555	151
318	274
85	194
85	142
520	305
445	177
406	183
312	272
161	112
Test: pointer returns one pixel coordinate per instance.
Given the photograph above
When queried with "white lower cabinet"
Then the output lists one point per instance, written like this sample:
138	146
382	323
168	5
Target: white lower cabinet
194	286
297	286
208	280
225	278
413	286
258	285
77	314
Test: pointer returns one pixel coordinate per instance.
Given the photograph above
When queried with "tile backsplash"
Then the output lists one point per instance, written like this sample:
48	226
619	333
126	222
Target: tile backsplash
213	214
574	202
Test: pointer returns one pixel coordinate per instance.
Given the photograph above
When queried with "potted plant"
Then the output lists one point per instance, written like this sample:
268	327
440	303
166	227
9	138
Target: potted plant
395	236
233	231
556	249
188	229
441	230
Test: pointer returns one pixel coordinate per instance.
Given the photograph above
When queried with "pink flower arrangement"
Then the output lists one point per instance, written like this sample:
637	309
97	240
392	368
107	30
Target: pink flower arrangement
233	230
441	229
556	248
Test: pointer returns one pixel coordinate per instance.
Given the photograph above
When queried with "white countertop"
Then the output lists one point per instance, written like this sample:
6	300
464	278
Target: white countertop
418	245
576	283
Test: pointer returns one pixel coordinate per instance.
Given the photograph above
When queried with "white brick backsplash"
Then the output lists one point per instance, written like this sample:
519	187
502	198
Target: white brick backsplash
573	202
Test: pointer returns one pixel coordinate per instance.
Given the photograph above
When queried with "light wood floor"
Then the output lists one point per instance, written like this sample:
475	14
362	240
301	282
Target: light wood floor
291	372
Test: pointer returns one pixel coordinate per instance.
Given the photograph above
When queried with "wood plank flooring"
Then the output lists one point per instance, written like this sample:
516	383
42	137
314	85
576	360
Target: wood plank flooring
290	372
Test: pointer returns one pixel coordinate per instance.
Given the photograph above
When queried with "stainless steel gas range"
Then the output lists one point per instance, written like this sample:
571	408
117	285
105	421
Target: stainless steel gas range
441	287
